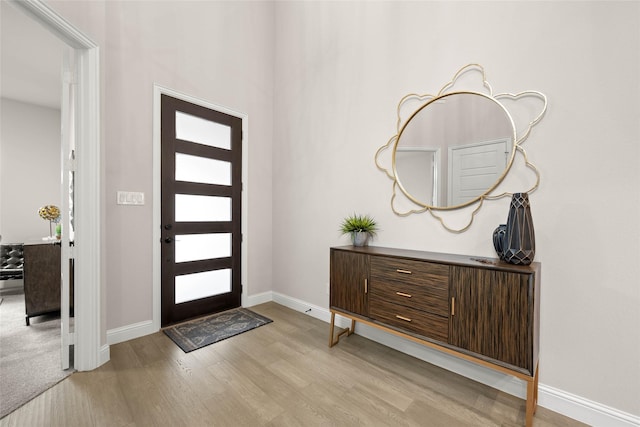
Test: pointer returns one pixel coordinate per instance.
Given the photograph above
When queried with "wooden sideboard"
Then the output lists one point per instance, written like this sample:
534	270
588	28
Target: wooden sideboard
479	309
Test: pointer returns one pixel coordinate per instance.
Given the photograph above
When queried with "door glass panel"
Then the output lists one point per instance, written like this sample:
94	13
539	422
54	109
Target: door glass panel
194	286
194	247
202	169
201	131
191	207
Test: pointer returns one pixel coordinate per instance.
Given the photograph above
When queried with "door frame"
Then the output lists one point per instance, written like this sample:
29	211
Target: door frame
88	335
158	91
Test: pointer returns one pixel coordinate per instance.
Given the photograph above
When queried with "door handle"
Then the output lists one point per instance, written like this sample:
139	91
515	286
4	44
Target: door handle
168	240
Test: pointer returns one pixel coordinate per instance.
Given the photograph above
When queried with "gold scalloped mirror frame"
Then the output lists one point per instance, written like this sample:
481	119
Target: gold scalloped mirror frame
455	87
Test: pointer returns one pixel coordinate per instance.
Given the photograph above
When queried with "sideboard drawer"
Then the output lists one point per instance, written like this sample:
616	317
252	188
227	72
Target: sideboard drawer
433	299
418	285
420	322
409	271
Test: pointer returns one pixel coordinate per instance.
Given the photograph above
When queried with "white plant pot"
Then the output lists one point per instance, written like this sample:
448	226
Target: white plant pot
360	238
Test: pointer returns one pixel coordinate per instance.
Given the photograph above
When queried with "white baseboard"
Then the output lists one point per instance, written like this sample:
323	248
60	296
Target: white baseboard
140	329
261	298
570	405
576	407
105	354
584	410
129	332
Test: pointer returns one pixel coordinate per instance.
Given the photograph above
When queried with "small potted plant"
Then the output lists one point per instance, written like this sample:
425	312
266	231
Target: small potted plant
360	228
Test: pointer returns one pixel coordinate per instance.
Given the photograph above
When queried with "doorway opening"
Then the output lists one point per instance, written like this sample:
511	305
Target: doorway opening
85	341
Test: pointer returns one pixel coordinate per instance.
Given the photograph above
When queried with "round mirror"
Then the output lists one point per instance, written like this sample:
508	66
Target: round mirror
453	150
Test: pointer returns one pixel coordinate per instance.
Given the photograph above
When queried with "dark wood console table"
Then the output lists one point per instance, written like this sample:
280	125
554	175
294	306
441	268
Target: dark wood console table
42	279
479	309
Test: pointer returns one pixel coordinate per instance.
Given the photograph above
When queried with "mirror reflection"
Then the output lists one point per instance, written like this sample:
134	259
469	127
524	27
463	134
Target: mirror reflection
454	149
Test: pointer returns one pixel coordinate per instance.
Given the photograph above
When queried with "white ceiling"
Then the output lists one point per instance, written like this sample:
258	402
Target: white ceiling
31	59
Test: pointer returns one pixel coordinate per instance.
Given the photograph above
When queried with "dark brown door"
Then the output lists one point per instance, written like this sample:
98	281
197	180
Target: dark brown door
201	210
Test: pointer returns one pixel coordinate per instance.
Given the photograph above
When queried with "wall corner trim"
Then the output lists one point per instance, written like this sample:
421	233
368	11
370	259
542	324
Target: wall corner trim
105	354
256	299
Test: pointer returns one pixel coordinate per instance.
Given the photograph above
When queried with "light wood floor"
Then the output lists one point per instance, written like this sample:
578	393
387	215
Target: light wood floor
281	374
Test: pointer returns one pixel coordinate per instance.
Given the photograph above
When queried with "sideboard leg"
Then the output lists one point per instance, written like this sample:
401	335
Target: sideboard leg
333	319
535	390
532	398
347	331
530	402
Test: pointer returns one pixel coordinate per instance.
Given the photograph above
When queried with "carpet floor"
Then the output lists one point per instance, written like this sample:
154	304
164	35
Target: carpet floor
29	355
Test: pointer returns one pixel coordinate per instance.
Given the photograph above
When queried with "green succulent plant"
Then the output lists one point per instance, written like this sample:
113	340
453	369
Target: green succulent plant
359	223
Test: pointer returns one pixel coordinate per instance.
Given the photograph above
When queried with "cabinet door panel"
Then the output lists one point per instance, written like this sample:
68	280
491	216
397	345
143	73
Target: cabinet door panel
492	314
349	277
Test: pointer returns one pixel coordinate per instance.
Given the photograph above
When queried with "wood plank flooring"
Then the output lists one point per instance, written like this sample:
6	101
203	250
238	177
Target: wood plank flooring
281	374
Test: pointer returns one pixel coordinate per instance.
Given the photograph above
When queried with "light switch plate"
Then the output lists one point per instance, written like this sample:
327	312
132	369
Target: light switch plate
130	198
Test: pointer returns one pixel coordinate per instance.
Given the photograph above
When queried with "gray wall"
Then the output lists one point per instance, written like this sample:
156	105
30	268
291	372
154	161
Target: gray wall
341	69
320	82
29	169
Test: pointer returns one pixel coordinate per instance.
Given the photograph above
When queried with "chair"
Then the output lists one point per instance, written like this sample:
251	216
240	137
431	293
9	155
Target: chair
11	261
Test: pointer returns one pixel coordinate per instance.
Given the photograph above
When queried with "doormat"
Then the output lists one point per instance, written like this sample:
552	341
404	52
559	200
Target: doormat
205	331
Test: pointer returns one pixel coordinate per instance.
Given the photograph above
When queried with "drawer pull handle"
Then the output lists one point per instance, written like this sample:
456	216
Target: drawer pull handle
406	319
402	294
366	286
403	271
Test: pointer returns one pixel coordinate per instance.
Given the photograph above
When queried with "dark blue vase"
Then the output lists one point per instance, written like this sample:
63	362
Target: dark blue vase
515	241
498	239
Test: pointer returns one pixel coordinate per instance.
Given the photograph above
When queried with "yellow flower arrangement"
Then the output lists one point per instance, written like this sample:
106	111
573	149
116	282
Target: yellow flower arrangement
51	213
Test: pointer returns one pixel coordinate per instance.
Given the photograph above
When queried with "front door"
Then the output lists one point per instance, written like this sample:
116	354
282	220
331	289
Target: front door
200	210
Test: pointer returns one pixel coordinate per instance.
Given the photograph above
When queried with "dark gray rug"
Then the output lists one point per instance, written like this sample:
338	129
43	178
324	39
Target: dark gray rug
29	355
204	331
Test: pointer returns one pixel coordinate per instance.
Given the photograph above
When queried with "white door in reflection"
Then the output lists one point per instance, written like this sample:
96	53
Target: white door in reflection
201	190
474	168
